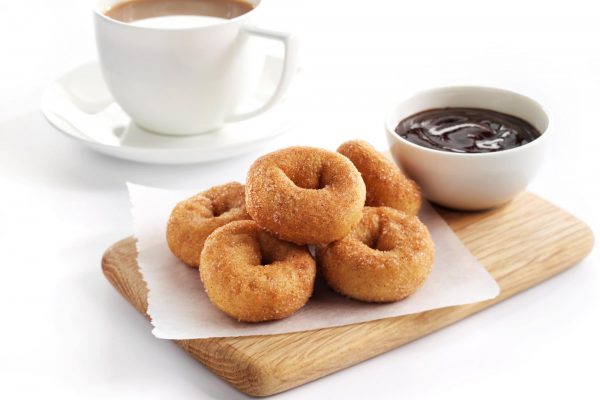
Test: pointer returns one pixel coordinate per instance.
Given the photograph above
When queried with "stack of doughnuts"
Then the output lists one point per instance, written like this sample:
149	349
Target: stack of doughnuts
251	243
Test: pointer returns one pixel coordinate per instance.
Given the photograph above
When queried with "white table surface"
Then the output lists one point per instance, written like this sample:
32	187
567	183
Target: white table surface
66	333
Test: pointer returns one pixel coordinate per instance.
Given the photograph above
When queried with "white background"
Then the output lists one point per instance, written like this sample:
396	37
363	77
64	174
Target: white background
66	333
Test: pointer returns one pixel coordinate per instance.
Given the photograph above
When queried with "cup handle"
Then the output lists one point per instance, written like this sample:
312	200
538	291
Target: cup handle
290	61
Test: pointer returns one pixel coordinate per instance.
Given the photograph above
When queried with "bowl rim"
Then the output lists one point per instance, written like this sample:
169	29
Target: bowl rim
543	136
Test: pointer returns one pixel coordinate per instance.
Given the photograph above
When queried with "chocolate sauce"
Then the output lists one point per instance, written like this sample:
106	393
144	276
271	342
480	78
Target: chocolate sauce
466	130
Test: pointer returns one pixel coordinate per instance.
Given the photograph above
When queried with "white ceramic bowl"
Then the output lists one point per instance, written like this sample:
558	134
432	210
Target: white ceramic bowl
469	181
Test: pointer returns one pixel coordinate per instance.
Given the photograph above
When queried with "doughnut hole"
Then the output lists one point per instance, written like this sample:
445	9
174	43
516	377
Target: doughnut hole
376	232
304	178
198	207
271	249
231	198
314	174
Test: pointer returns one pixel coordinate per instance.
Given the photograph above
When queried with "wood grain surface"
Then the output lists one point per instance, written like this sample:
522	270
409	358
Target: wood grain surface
521	244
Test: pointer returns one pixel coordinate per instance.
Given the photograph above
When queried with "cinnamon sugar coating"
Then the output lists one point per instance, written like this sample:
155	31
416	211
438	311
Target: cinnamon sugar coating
193	219
386	258
386	184
305	195
252	276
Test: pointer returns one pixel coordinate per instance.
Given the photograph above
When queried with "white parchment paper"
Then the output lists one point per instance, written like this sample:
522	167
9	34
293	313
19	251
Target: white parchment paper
179	308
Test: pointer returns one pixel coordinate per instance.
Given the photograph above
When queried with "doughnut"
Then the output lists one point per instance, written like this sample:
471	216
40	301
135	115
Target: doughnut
386	185
252	276
192	220
386	258
305	195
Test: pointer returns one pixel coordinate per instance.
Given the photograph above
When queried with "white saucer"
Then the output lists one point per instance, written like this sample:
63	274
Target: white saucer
80	106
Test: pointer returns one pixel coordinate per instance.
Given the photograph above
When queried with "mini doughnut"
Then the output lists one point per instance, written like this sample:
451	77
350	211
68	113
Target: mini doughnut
386	185
305	195
252	276
192	220
387	257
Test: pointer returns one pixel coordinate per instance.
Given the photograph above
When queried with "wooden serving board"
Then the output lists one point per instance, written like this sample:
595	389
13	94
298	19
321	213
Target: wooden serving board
521	244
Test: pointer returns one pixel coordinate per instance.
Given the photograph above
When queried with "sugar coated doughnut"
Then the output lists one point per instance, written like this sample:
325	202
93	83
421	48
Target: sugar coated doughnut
386	185
305	195
252	276
192	220
387	257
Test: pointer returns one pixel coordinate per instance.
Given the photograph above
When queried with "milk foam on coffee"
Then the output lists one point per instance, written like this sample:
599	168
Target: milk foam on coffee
176	13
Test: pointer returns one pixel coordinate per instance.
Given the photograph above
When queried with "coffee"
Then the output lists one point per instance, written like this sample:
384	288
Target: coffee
176	13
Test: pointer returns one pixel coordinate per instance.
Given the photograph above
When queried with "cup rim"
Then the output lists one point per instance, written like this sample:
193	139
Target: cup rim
99	13
543	134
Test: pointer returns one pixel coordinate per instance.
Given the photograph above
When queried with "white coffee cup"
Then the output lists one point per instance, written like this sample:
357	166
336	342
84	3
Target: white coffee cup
184	80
